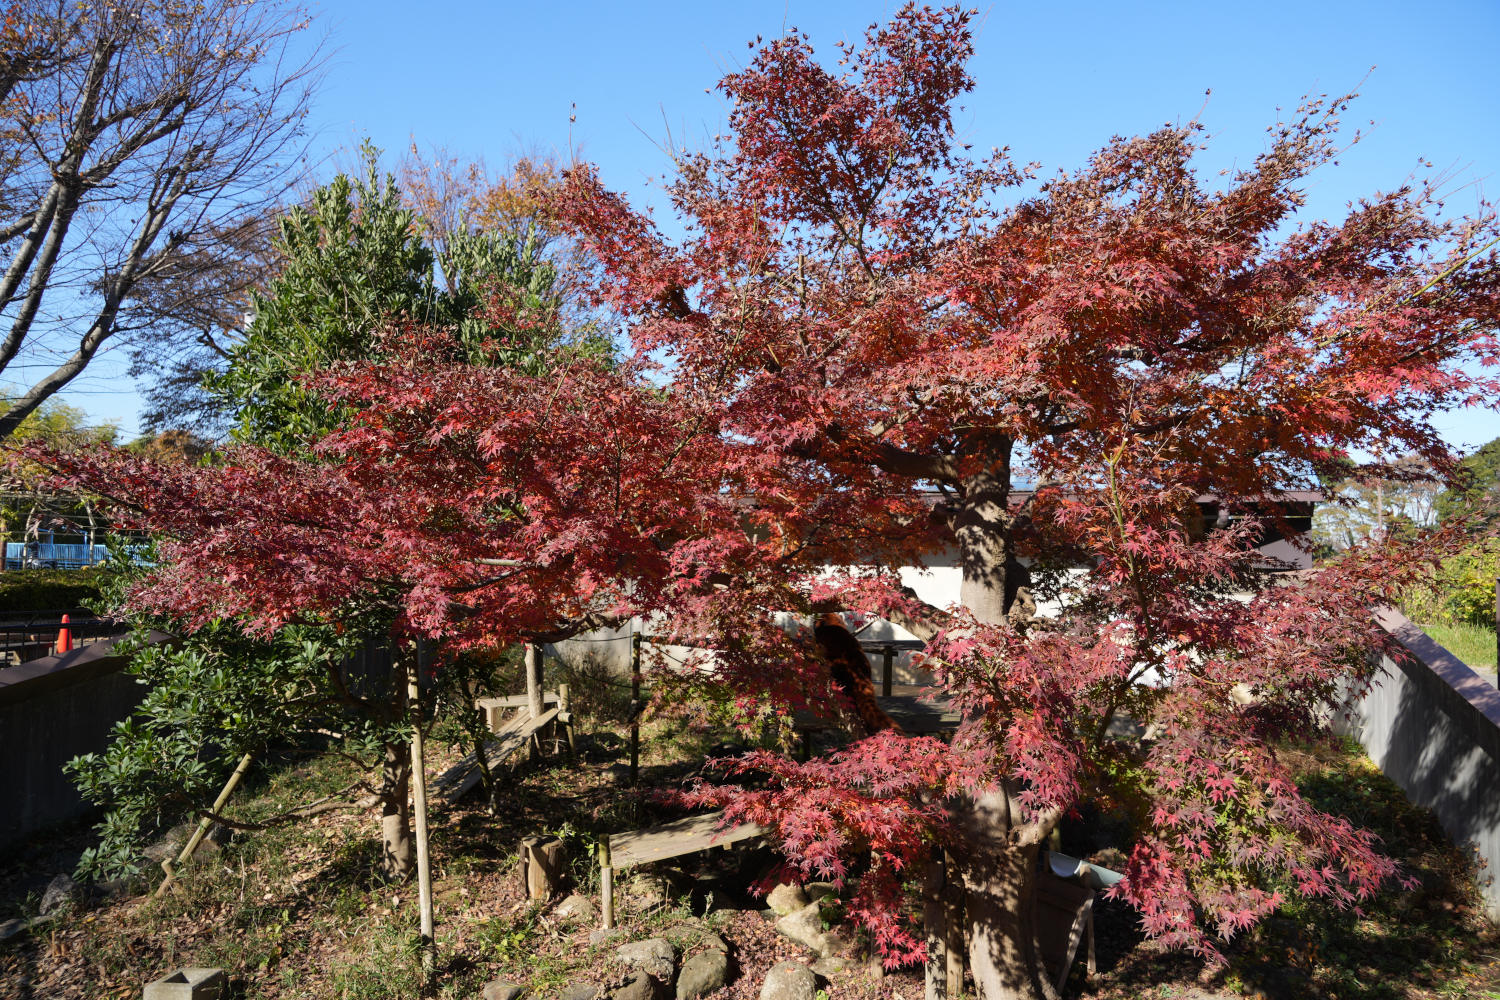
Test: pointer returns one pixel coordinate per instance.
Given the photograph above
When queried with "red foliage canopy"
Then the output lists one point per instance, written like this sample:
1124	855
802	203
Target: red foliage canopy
860	314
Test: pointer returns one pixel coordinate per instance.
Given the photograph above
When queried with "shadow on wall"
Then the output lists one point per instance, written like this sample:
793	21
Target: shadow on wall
1433	726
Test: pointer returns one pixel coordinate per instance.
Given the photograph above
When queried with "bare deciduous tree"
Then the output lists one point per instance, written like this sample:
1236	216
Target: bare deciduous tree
136	139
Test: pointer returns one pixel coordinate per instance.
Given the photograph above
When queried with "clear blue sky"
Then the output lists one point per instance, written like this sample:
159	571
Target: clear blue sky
1054	83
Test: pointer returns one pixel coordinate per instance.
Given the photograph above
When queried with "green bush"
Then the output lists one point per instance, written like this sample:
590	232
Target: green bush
24	590
1462	592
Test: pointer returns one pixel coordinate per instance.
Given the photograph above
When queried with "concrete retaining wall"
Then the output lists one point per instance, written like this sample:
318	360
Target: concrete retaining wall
1433	726
52	710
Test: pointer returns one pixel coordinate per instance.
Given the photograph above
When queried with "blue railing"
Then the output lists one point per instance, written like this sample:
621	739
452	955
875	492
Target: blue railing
53	555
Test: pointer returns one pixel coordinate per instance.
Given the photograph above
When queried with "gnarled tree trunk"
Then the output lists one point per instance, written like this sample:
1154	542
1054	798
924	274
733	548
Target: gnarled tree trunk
395	812
999	862
999	875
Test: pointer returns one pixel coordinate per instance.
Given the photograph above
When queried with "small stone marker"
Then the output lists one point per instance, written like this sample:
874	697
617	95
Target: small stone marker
576	908
189	984
653	956
806	928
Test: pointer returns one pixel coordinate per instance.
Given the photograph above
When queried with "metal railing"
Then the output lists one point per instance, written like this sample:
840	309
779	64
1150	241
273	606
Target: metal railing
31	635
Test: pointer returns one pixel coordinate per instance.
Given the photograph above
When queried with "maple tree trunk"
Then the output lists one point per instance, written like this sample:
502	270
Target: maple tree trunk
982	527
395	812
1000	878
999	866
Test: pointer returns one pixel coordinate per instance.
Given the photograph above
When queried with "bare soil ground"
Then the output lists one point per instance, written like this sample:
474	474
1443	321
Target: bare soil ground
297	912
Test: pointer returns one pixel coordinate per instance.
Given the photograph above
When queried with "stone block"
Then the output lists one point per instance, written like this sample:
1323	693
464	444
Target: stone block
189	984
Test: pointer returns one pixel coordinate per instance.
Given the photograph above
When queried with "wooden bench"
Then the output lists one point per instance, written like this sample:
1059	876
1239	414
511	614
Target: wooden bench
510	735
658	843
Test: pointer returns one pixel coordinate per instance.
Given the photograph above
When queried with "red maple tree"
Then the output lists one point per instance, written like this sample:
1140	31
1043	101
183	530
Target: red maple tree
864	346
877	314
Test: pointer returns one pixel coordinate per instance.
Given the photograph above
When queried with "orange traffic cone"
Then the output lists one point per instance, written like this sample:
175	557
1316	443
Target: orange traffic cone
64	637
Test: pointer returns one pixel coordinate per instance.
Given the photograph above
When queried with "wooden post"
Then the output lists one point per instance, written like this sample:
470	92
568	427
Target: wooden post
606	884
543	866
203	825
887	665
419	801
565	719
954	923
934	913
635	708
534	689
534	680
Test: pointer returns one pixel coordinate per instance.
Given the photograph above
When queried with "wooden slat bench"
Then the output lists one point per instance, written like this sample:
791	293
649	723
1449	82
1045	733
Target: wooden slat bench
658	843
510	735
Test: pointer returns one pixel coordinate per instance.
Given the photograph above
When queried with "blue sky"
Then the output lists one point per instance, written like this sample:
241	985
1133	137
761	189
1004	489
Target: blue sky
1054	83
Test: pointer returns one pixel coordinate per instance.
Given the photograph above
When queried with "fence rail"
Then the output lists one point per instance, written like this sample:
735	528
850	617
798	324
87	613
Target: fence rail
26	636
54	555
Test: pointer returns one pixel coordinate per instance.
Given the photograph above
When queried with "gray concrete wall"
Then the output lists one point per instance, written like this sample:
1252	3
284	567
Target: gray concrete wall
52	710
1433	726
611	649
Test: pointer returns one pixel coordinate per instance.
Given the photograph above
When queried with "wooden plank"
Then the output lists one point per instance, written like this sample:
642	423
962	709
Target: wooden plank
456	782
670	840
513	700
1064	914
912	712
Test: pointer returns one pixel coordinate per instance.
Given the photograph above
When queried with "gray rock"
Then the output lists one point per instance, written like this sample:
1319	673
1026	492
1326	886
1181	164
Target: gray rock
829	967
702	974
806	928
646	892
114	888
61	891
694	936
10	928
599	936
576	908
787	898
171	843
653	956
820	890
789	981
502	989
638	987
579	991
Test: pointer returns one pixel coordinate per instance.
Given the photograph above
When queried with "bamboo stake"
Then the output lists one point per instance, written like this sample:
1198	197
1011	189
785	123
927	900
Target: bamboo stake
203	824
419	797
635	708
606	884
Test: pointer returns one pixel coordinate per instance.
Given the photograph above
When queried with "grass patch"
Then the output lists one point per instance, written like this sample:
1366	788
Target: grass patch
1474	644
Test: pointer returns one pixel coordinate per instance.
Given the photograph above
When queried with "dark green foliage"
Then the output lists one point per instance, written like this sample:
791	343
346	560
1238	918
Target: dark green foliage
211	701
355	262
23	590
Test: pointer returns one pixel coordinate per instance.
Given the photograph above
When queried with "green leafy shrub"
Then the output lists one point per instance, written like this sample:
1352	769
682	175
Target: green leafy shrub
24	590
1462	591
